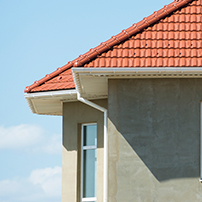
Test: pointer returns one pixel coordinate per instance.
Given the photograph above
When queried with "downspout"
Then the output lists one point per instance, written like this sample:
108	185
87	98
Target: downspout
102	109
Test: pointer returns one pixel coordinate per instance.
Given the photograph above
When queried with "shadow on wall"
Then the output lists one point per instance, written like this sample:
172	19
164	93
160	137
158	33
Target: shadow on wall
76	113
159	120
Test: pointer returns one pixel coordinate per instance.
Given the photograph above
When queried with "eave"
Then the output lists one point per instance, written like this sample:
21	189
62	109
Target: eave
93	82
49	103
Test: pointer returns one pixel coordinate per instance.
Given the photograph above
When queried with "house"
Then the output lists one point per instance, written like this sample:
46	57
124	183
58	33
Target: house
131	112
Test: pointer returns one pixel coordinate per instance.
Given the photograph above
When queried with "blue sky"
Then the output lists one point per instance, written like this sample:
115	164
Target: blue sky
37	37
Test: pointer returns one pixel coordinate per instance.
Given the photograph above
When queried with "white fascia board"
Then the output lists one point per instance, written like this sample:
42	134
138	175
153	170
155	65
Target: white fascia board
49	102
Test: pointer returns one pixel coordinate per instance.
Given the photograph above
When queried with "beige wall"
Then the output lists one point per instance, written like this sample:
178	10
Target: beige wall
74	114
154	140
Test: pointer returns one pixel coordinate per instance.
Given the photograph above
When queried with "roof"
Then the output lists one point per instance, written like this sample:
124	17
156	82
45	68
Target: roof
170	37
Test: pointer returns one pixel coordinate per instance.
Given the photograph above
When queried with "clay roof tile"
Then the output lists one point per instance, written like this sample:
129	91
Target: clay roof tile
170	37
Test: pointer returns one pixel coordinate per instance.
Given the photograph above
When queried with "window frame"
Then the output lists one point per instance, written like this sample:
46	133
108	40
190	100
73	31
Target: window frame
84	148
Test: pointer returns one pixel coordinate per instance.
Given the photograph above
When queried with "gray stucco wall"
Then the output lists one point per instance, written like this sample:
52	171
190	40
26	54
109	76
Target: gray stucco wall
154	134
74	114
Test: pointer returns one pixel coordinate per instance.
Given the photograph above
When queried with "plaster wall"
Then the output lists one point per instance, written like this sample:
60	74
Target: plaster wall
154	134
74	114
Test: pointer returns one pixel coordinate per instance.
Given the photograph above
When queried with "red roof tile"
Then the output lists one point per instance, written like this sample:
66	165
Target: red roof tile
170	37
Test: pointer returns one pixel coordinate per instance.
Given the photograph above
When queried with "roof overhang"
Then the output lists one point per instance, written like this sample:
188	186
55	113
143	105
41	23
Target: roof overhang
92	83
49	103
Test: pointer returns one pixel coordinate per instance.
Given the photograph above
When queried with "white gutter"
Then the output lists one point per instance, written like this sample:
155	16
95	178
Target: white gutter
50	94
141	72
102	109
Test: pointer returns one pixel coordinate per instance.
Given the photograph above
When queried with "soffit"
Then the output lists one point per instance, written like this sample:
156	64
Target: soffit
51	102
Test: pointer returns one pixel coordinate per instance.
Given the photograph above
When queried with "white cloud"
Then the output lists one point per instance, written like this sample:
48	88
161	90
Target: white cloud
49	179
50	144
19	136
31	137
42	185
9	187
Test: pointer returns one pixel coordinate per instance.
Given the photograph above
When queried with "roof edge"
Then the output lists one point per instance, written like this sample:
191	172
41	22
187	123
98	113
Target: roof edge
94	71
50	94
114	40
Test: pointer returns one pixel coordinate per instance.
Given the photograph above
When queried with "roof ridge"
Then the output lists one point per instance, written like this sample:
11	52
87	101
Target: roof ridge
114	40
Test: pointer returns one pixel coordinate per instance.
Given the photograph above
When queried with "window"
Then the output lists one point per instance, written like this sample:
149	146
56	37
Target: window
88	162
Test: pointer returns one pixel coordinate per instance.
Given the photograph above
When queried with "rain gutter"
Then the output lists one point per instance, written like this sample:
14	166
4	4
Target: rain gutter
50	94
143	71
